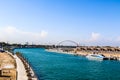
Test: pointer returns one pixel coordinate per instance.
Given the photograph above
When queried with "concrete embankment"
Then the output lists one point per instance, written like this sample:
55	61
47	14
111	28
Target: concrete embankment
21	72
108	55
111	55
27	68
22	75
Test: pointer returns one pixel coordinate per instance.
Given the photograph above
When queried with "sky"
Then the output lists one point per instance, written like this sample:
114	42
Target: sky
87	22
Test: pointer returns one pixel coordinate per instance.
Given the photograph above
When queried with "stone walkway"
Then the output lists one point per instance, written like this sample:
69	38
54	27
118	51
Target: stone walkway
22	75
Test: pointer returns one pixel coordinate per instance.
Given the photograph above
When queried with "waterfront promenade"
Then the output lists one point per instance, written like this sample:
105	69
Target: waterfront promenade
22	75
112	53
28	74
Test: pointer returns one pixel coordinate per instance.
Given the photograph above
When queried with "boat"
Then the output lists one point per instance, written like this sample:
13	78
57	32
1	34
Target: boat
95	57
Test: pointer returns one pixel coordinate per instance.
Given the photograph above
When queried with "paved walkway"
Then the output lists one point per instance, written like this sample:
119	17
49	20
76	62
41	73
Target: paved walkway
22	75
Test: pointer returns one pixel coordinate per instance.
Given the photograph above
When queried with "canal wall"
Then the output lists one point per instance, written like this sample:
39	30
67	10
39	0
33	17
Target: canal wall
111	55
108	55
30	73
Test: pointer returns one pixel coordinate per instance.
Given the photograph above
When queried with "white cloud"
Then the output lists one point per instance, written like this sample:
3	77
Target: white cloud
43	33
94	36
118	39
13	34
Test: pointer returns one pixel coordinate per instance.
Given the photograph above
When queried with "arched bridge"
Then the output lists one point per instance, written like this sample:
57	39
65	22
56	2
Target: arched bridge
68	41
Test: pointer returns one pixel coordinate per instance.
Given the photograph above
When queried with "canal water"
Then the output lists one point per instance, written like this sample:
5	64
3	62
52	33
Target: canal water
58	66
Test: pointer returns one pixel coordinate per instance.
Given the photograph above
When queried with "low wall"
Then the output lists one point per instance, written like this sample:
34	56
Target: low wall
106	54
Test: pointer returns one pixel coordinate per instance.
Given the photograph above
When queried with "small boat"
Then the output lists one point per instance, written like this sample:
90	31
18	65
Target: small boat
95	57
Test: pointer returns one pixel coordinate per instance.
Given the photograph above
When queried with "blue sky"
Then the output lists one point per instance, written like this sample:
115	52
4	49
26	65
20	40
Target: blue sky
89	22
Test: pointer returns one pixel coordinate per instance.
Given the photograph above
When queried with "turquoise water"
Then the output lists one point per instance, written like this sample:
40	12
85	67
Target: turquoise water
55	66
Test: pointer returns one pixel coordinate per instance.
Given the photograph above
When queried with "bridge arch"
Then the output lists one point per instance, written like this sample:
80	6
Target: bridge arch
68	41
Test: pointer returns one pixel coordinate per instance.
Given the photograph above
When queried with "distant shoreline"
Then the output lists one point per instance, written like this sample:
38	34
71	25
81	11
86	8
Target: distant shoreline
53	50
109	55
